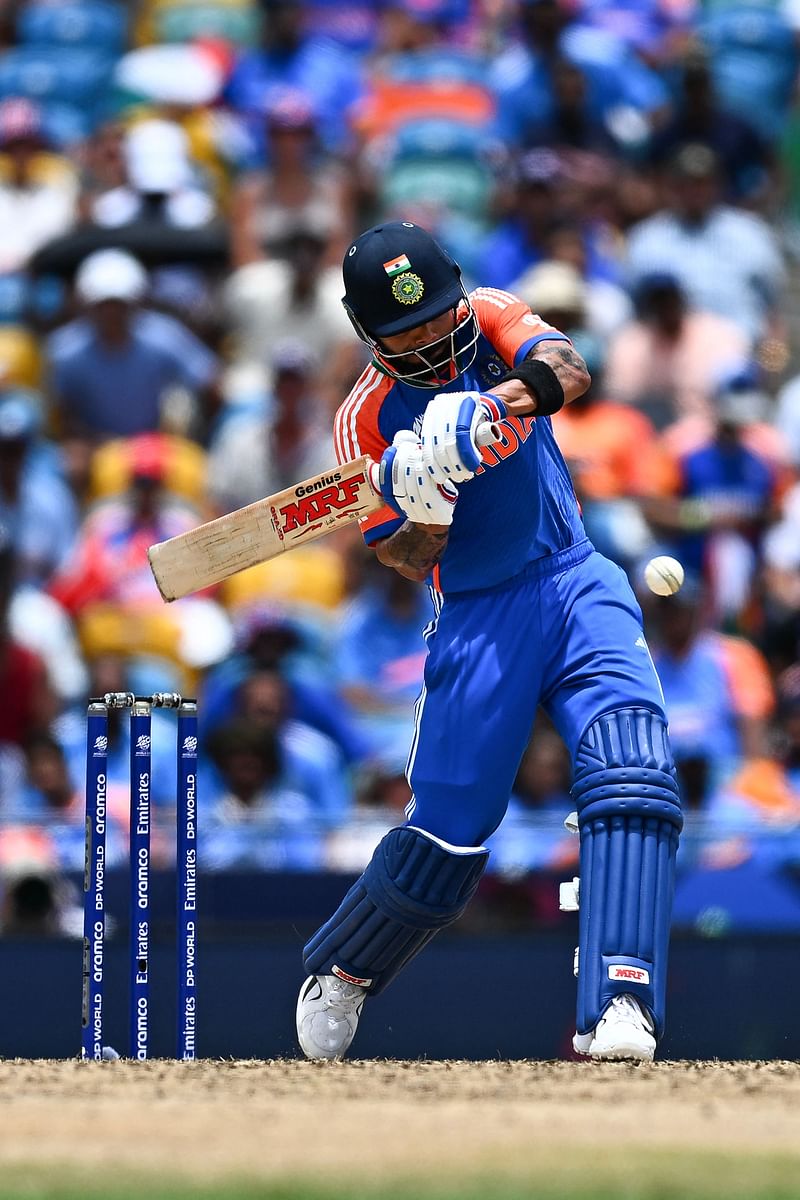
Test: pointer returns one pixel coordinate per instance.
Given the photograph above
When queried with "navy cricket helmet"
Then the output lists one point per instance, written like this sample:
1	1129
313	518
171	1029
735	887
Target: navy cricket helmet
397	278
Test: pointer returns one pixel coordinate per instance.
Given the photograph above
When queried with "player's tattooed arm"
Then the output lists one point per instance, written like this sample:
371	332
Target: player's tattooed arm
569	374
413	550
567	365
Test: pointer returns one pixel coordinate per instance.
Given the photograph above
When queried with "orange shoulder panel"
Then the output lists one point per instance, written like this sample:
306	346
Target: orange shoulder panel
506	321
355	426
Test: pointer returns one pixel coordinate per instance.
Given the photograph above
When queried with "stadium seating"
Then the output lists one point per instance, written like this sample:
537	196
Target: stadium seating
100	24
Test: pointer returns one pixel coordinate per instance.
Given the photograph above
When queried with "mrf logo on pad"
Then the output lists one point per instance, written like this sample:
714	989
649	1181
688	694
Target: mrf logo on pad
328	500
629	974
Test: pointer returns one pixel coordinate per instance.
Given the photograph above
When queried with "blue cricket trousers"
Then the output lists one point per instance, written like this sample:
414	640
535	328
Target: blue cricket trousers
566	633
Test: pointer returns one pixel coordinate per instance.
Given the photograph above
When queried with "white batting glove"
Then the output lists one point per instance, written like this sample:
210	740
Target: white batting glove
410	488
448	435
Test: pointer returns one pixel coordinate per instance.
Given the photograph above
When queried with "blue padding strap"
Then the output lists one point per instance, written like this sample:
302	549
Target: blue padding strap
629	818
385	478
413	886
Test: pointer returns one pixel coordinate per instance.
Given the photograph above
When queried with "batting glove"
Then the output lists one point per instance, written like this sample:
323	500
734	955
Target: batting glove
448	435
410	488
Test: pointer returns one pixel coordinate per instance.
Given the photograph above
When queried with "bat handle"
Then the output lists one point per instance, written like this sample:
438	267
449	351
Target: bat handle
486	433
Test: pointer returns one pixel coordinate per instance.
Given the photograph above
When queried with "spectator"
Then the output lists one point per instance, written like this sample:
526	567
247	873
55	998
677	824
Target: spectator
36	901
257	821
518	242
669	360
727	261
37	509
571	120
39	623
311	763
38	190
605	304
754	58
545	198
745	158
382	797
106	584
290	57
555	290
112	368
113	672
292	297
610	449
252	457
651	28
533	833
788	689
787	418
717	689
724	493
27	703
160	183
297	185
49	797
380	656
781	583
622	91
271	638
103	166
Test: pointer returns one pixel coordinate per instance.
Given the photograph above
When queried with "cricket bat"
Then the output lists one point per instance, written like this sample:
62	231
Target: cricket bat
212	552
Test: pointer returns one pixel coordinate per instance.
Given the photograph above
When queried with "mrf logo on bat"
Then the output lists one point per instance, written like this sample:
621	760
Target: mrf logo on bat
324	502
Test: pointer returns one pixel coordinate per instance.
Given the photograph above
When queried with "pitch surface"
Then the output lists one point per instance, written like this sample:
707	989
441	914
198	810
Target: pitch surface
422	1131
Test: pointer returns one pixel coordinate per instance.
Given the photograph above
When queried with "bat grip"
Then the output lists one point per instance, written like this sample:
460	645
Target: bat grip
486	433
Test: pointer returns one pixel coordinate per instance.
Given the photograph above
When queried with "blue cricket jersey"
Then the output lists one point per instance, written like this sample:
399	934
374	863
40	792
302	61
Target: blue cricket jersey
520	505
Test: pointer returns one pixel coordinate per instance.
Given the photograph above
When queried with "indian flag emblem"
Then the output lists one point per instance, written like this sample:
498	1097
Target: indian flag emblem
395	265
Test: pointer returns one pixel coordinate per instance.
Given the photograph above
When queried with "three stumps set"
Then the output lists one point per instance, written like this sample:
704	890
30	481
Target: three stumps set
94	906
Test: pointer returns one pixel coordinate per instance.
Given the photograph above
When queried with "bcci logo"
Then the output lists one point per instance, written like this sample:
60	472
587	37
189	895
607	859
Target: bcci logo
142	743
190	745
408	288
100	745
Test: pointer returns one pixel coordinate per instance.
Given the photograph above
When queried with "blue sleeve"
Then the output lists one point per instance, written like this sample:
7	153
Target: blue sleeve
526	347
378	532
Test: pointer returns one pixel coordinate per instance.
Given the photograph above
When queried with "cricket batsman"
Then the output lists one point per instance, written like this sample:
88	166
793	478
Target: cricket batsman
526	612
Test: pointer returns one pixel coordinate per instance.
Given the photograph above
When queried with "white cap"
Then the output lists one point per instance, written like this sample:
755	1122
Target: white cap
171	74
552	285
110	275
157	157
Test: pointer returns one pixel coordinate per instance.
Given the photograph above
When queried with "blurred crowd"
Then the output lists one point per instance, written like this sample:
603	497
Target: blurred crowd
178	180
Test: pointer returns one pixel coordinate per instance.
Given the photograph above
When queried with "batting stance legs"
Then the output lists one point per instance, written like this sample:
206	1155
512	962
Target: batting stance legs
567	634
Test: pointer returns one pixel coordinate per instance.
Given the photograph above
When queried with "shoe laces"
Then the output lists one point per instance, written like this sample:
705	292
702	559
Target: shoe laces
629	1008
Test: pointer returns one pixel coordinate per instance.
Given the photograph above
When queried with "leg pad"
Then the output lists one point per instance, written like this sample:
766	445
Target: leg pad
629	819
414	885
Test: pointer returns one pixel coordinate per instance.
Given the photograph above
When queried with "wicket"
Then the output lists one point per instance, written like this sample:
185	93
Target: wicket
92	1005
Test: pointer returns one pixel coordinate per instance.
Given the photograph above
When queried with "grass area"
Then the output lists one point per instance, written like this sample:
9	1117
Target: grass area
585	1176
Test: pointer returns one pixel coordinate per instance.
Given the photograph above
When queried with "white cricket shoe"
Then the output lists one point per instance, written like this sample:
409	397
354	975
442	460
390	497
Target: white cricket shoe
624	1031
327	1015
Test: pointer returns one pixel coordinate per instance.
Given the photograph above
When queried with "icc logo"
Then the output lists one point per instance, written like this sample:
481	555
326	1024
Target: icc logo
143	742
100	744
190	745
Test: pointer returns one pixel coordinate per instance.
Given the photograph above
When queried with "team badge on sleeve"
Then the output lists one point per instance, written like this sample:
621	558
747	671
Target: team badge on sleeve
408	288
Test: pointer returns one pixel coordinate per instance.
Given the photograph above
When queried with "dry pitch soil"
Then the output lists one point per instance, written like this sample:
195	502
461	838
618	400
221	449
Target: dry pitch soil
421	1131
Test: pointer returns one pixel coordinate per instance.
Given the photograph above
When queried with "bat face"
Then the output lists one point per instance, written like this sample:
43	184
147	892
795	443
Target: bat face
319	505
213	552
